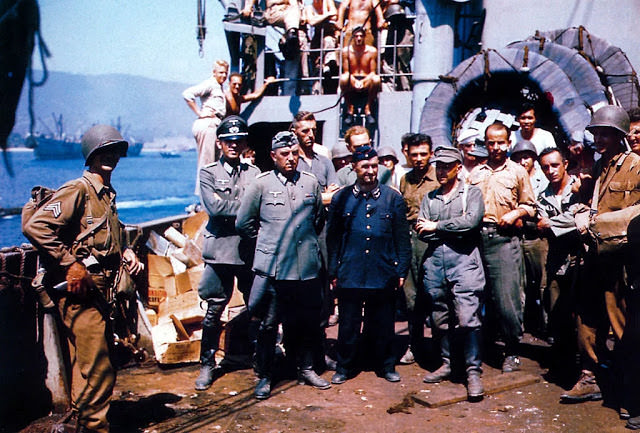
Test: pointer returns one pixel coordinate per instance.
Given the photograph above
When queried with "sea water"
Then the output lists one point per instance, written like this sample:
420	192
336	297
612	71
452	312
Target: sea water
148	187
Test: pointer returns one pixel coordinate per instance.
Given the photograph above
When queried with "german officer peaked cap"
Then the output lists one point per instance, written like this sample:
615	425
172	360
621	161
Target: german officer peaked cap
232	128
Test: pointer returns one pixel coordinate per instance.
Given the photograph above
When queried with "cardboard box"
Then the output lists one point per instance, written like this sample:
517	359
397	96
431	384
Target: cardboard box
195	275
152	316
193	225
158	244
169	284
169	350
183	306
159	265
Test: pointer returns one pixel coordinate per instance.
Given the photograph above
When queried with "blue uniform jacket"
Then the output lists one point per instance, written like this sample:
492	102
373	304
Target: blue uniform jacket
368	238
286	219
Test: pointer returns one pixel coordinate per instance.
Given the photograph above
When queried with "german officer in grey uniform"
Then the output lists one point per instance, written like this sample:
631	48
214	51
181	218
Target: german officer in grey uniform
283	209
449	221
226	255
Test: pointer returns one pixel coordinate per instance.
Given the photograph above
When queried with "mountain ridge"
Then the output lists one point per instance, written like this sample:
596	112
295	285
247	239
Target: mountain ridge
148	109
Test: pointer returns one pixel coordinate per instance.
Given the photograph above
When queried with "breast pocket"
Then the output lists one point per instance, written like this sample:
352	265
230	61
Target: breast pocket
100	235
624	193
223	189
273	208
386	222
506	190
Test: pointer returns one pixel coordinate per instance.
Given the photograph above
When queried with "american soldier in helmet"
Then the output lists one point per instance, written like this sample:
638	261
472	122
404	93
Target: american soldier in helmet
79	238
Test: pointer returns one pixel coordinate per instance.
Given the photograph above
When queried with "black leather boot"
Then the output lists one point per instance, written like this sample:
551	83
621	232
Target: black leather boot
211	330
263	388
444	371
472	344
265	351
309	377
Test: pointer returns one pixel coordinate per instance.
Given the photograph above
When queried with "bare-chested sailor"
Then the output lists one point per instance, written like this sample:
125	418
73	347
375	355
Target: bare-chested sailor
235	99
359	13
359	65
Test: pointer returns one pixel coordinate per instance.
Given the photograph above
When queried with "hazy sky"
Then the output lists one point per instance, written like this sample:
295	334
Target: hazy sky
150	38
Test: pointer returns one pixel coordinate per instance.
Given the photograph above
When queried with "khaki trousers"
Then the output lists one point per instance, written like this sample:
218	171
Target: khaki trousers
204	131
93	377
601	304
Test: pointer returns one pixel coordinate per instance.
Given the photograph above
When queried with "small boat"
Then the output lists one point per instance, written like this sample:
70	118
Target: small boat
170	154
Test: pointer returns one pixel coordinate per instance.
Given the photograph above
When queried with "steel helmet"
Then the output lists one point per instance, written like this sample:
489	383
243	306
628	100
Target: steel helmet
524	146
611	116
232	128
100	137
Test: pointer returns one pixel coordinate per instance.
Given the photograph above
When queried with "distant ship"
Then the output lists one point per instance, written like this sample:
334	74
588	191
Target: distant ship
60	147
51	148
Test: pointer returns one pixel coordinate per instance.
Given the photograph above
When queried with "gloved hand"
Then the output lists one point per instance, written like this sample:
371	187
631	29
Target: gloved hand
78	279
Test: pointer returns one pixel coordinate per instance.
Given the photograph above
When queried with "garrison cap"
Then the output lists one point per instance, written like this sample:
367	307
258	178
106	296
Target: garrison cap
446	155
340	150
284	139
479	151
386	151
524	146
467	136
364	152
358	29
232	128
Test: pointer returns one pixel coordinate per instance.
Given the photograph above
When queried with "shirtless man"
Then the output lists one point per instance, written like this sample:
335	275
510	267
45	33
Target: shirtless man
359	65
321	15
235	99
359	15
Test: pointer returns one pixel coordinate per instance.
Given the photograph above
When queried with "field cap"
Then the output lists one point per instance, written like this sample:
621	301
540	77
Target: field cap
283	139
364	152
446	155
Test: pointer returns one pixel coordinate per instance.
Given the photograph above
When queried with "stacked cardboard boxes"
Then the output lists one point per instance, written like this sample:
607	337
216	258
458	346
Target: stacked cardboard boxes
175	269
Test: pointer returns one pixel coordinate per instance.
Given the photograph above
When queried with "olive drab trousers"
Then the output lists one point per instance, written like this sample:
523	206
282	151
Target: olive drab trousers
93	376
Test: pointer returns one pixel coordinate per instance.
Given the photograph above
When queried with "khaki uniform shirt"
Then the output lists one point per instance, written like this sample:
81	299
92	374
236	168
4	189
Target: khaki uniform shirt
414	188
619	185
74	208
504	189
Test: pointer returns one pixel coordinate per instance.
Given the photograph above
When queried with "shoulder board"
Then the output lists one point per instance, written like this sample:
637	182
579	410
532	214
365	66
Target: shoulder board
75	182
394	189
262	174
309	174
211	165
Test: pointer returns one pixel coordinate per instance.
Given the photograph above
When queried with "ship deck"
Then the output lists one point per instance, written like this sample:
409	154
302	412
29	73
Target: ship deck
163	400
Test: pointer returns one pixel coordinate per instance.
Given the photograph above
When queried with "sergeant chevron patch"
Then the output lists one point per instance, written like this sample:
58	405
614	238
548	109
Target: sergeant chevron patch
54	208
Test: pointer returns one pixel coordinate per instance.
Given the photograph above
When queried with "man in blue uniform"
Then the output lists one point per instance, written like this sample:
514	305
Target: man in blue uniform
449	221
283	209
355	137
226	255
369	258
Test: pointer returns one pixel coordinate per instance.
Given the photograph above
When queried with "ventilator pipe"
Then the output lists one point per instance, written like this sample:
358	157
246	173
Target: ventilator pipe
433	50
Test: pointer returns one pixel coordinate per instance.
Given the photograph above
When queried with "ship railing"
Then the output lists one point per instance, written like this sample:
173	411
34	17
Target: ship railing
322	51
